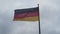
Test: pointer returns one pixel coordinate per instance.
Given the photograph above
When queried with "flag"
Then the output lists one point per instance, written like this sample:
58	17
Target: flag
28	14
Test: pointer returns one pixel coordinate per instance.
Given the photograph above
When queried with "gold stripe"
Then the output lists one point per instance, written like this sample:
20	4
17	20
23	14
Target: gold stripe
35	18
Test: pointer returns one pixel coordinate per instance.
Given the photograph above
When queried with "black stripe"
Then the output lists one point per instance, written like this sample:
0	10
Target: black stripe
19	11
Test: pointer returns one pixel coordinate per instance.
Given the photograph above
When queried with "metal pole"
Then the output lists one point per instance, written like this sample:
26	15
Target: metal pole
39	20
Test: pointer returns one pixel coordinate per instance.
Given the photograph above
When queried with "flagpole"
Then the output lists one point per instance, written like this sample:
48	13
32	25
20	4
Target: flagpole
39	21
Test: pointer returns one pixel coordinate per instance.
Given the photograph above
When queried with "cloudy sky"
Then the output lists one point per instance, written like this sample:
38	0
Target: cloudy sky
49	17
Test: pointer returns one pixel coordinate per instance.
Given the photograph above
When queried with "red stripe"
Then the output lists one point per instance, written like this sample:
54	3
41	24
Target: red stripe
30	14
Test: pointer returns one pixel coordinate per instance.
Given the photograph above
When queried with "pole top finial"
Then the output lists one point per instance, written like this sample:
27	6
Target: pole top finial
38	5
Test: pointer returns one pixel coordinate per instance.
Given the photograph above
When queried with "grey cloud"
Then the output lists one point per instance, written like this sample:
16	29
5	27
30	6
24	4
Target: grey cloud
50	17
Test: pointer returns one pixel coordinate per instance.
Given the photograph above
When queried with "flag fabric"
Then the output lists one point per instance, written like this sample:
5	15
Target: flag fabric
29	14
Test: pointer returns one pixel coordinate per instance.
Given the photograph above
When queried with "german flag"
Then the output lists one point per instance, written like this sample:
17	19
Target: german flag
29	14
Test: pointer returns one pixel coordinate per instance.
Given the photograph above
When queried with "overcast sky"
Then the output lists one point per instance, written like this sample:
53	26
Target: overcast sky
49	17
